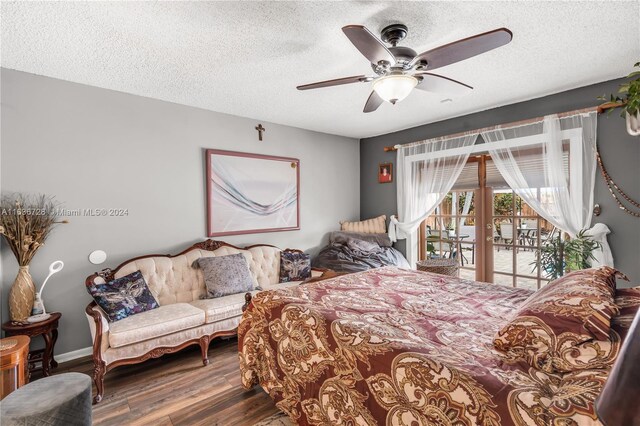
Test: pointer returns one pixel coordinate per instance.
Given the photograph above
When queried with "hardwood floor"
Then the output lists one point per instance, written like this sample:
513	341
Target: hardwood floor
178	390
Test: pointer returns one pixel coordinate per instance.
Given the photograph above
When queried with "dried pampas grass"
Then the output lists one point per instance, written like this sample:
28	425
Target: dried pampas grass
26	221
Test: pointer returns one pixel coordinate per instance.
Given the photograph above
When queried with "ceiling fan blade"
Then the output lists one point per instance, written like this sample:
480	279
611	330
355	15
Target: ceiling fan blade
335	82
464	49
441	84
368	44
373	102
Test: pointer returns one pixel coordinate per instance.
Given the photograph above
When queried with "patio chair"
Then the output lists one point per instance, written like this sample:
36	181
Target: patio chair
439	241
467	243
505	233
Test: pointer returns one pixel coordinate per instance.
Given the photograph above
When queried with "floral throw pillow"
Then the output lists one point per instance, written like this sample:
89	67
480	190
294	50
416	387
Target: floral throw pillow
123	297
565	325
294	266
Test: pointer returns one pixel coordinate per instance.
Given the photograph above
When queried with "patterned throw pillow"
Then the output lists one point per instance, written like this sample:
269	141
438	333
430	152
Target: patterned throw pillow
225	275
601	353
123	297
294	266
569	313
628	301
377	225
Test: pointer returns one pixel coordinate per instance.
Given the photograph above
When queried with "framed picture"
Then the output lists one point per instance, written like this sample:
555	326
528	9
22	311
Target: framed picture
251	193
385	173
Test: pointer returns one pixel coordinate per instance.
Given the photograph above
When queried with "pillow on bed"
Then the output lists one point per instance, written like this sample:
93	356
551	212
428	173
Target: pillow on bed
340	237
563	315
628	301
377	225
600	353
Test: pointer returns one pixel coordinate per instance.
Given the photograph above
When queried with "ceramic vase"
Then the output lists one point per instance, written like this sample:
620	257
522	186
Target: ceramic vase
21	295
633	123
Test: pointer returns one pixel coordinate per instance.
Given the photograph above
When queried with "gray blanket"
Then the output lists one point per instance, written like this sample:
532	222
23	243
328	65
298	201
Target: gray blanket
345	255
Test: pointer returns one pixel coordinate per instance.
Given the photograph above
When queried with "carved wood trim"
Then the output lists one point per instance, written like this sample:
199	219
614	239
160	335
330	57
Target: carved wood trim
326	274
209	245
290	250
97	341
247	301
163	350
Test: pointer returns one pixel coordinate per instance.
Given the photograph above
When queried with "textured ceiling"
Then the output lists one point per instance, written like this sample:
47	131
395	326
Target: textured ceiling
245	58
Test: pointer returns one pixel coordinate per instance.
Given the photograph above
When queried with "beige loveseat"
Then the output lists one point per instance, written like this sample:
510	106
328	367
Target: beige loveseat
183	318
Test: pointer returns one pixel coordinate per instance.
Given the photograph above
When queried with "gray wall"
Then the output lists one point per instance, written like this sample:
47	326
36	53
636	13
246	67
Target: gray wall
96	148
620	152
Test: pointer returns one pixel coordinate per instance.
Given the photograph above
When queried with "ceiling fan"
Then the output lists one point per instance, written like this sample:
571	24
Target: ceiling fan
398	69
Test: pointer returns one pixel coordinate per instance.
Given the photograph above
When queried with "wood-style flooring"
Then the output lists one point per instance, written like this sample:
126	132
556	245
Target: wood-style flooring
178	390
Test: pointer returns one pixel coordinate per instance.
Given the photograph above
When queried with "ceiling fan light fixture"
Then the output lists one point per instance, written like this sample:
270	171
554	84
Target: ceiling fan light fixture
395	87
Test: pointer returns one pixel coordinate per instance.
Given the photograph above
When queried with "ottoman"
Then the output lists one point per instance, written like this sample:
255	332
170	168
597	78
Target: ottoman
64	399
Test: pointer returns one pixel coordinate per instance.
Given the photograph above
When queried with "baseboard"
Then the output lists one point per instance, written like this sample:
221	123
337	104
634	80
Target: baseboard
69	356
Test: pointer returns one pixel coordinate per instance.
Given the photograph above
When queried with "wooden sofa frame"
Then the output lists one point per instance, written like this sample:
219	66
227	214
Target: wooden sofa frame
101	368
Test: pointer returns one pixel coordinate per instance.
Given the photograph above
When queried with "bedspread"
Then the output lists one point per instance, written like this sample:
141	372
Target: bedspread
401	347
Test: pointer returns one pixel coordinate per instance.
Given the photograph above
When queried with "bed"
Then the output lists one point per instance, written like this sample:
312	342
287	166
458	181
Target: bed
402	347
349	252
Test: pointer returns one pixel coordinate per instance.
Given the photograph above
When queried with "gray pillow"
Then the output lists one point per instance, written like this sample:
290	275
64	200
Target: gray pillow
363	246
225	275
341	237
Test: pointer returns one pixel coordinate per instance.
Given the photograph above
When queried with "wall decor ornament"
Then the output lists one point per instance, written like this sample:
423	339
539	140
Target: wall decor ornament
385	173
25	224
616	192
251	193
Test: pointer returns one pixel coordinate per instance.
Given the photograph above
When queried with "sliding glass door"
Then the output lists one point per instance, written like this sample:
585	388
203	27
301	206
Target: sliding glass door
490	230
518	233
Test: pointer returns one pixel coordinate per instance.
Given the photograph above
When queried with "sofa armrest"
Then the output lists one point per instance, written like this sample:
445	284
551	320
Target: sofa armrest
99	326
325	274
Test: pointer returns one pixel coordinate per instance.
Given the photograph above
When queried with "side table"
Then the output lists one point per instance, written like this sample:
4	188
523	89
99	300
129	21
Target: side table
48	329
14	352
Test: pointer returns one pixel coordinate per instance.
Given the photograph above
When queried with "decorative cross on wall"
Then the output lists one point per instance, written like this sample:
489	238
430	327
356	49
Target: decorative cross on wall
260	129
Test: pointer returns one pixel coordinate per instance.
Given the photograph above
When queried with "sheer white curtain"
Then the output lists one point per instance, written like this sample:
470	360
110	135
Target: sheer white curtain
467	203
425	174
562	192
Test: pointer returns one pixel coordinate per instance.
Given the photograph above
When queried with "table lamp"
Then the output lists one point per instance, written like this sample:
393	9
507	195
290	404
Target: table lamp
619	401
39	312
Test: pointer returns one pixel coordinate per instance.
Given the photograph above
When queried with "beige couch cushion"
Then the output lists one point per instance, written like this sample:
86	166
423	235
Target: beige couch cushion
276	286
154	323
221	308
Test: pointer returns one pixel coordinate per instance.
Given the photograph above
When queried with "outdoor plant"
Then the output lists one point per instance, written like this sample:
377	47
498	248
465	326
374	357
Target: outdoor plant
558	256
628	96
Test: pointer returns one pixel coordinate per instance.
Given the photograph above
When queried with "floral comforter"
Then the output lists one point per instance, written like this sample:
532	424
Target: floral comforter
400	347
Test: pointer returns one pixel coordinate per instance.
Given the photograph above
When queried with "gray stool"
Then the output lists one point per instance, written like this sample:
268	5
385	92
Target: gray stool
64	399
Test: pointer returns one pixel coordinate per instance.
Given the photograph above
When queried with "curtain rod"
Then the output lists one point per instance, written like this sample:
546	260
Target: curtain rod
599	109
